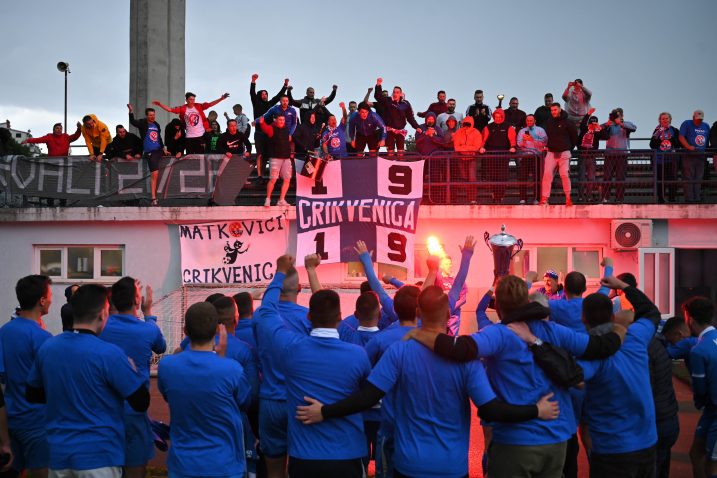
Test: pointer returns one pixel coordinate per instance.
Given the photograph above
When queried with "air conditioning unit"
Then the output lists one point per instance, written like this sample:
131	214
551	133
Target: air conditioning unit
628	235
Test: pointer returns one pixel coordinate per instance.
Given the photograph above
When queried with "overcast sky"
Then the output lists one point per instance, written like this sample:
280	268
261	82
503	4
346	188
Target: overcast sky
646	56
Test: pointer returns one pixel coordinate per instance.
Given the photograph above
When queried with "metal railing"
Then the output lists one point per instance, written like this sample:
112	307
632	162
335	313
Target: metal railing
500	177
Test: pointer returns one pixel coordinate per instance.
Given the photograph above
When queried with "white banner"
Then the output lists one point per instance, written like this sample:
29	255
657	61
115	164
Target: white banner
242	251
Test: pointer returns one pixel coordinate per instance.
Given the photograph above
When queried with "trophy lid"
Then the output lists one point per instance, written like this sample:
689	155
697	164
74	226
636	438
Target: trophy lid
502	239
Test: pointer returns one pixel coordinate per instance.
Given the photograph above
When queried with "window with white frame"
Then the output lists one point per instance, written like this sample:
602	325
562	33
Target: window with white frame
562	259
80	263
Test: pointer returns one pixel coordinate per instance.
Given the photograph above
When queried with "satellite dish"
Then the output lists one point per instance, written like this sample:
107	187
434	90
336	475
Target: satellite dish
63	66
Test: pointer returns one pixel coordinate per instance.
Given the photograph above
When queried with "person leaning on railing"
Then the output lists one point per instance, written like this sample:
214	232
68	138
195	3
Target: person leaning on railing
531	141
58	143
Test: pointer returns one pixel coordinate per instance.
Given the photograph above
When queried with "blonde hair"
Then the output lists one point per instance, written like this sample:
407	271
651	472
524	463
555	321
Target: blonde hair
665	113
511	293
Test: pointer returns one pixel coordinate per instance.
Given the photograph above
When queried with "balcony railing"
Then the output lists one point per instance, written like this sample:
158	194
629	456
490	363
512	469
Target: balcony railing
596	177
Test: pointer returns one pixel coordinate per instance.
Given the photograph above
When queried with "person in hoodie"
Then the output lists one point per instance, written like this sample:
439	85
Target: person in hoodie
261	103
125	145
451	128
437	108
617	133
468	141
211	138
442	118
174	138
97	136
58	143
531	141
589	136
665	141
309	102
333	141
498	136
430	139
307	135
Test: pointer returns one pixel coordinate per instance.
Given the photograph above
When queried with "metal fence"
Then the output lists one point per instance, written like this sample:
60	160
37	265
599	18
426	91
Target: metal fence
500	177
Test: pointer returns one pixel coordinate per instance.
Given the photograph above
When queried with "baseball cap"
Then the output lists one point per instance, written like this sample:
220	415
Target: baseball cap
551	273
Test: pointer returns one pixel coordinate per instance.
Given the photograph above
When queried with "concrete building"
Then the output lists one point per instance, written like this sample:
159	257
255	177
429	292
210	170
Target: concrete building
671	249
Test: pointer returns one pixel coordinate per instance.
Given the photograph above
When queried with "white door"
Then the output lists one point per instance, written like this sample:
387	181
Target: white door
657	277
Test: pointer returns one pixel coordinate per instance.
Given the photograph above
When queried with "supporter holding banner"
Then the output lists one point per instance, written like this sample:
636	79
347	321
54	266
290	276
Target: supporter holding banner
232	252
373	199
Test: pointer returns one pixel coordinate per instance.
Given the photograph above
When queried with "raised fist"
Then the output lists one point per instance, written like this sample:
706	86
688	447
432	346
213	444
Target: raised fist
255	77
379	81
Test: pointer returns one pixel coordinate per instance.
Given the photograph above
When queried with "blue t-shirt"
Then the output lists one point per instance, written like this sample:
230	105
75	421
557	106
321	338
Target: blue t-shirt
697	136
20	340
136	337
517	379
151	139
245	332
431	439
375	349
86	381
324	368
682	349
272	385
568	312
619	407
241	352
205	393
335	140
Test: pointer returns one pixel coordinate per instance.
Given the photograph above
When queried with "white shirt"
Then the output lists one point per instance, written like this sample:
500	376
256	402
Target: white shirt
193	123
325	333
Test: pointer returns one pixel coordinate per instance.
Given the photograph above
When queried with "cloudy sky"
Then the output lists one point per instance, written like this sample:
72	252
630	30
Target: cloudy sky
646	56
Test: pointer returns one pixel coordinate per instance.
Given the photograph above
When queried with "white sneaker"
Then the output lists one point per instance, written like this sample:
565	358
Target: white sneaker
522	201
282	202
267	202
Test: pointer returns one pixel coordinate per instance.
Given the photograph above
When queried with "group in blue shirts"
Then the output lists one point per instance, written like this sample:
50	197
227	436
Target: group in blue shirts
77	403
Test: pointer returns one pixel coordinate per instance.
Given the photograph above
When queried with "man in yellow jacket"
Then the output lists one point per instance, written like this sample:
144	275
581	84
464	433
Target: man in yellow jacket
96	135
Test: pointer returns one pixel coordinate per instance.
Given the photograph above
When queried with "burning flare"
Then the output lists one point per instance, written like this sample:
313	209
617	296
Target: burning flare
436	249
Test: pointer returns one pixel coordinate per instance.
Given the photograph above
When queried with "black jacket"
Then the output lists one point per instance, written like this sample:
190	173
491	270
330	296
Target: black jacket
120	147
260	106
306	137
562	135
307	105
663	391
236	144
174	145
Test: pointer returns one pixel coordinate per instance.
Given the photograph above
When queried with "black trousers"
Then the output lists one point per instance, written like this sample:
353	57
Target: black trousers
195	145
395	140
299	468
615	167
362	141
636	464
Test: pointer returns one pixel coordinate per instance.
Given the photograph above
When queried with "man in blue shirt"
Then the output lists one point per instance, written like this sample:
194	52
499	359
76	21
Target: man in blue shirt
699	313
283	109
523	448
318	365
619	407
205	393
245	306
333	141
138	339
85	382
20	340
405	304
431	440
363	128
694	136
273	418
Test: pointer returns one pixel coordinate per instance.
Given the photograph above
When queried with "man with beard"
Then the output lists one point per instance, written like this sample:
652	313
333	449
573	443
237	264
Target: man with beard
442	118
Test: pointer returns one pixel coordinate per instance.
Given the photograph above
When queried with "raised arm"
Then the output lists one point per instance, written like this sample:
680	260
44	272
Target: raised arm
365	259
331	97
311	262
281	92
481	315
344	113
132	119
292	101
460	279
607	272
368	94
218	100
163	106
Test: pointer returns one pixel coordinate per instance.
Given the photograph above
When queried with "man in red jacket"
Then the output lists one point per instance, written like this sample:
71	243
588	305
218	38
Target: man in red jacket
195	122
58	143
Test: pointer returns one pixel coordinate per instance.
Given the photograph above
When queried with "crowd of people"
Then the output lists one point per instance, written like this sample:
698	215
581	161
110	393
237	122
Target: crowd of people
297	390
548	136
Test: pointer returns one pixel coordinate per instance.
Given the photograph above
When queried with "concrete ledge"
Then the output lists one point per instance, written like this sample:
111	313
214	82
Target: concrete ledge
178	215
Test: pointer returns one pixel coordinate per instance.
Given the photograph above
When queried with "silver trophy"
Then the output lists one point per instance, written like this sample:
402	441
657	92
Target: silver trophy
502	246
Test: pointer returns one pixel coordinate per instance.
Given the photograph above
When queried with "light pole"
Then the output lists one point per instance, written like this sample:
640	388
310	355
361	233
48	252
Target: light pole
64	67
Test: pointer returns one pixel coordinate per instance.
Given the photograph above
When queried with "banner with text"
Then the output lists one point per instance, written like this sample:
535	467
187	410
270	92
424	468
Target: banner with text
374	200
243	251
82	181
